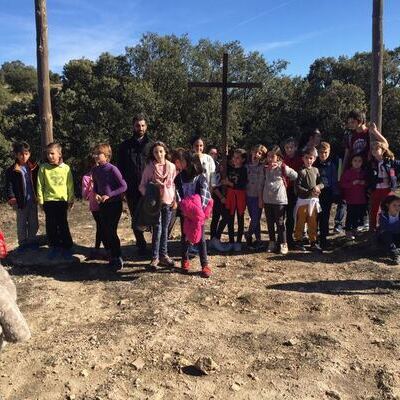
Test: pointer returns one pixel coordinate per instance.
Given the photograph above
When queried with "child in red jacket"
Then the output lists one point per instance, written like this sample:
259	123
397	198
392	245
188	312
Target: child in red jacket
354	186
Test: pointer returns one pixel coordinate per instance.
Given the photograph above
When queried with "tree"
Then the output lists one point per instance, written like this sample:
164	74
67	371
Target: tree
19	77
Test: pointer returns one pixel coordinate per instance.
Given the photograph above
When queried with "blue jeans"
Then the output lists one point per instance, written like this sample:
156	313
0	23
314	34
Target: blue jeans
160	233
255	217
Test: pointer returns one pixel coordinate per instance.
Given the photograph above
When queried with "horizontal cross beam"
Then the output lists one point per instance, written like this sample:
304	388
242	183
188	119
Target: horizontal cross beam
243	85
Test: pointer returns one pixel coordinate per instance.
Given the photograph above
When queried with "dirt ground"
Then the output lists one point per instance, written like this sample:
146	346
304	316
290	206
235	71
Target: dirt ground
302	326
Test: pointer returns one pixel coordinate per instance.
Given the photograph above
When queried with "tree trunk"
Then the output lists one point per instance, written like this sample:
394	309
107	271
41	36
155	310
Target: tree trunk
46	117
377	64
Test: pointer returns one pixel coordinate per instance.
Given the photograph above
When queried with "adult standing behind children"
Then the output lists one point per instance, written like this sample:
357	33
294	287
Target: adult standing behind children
132	156
357	139
21	182
206	160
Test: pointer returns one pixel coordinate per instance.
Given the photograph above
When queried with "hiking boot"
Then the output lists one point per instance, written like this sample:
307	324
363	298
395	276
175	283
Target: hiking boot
283	248
206	271
185	266
153	265
271	247
167	261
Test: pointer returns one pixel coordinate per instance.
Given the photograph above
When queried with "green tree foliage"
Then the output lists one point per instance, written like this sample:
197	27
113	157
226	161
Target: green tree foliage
19	77
94	101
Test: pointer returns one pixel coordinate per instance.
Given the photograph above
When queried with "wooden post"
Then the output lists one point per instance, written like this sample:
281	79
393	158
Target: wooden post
42	51
224	142
377	64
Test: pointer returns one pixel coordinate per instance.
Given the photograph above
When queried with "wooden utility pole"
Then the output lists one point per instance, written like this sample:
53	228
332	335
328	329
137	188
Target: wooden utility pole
377	64
42	51
224	85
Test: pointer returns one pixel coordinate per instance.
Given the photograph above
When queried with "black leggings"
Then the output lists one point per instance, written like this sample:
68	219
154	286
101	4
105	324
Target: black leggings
228	219
110	213
217	214
275	214
99	231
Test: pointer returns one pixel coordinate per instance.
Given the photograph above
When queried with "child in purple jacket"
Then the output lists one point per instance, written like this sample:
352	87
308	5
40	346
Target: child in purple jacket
108	187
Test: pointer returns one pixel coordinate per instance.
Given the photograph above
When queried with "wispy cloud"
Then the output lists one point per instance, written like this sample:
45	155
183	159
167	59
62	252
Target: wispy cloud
264	47
264	13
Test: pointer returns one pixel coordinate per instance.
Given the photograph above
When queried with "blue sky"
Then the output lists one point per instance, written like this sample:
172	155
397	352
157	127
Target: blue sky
298	31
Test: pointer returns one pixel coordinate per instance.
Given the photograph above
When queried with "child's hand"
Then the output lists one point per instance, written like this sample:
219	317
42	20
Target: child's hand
12	202
98	198
104	198
316	191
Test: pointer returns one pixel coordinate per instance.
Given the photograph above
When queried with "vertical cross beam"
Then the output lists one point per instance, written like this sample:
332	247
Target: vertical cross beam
224	85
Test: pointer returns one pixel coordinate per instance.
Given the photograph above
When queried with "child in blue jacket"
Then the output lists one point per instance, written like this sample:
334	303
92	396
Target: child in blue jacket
389	227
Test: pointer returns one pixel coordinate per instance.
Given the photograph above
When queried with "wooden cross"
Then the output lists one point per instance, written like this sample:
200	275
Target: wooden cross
224	85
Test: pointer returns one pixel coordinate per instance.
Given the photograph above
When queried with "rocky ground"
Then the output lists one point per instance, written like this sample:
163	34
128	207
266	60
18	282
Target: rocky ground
264	326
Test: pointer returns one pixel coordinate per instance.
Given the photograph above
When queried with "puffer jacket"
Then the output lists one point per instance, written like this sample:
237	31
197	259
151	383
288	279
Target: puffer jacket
194	217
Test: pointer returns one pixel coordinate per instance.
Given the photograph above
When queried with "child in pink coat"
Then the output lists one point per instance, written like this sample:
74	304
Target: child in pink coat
354	187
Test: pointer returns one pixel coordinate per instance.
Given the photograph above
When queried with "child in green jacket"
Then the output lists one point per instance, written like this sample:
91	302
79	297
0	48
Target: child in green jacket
55	193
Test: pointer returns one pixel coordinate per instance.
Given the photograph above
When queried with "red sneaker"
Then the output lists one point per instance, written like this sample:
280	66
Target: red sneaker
206	272
185	266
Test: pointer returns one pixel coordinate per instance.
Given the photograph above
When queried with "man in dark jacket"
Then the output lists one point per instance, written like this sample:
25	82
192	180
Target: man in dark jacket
132	155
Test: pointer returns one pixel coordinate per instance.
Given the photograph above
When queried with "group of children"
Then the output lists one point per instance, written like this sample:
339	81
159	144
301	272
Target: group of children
296	186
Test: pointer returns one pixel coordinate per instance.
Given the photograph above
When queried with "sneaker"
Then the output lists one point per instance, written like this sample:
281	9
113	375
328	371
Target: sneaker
271	247
206	272
284	248
395	257
217	245
338	229
185	266
299	247
167	261
237	247
350	235
153	265
315	247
